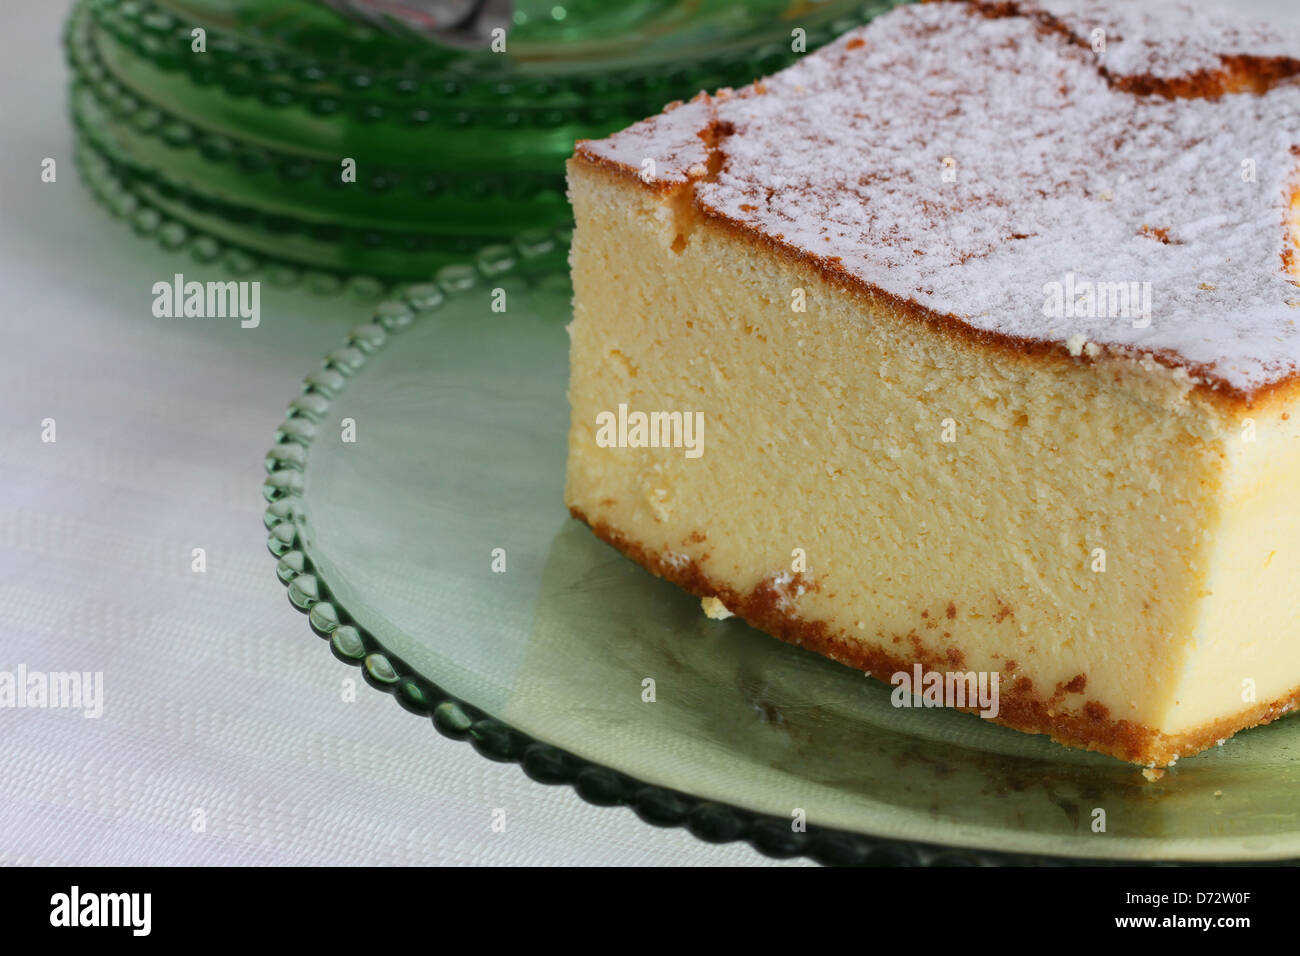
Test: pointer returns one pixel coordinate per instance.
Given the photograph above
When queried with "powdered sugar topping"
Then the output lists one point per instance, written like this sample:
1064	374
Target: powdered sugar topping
976	162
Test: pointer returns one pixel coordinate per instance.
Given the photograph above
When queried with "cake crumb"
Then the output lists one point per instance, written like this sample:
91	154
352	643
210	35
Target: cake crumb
660	504
714	609
1075	343
1152	773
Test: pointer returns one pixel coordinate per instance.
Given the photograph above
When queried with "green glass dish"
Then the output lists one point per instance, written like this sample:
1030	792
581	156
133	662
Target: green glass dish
276	235
287	211
416	515
553	45
153	144
245	140
130	201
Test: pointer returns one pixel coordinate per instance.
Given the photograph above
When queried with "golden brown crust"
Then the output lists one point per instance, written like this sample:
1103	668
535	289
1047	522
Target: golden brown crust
1021	706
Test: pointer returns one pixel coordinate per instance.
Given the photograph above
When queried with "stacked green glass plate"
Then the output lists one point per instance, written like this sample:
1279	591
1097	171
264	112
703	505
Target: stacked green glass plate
291	137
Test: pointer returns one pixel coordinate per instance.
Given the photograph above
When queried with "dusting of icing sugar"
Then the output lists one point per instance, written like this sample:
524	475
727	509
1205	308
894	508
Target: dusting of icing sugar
676	560
1166	38
968	160
787	588
671	141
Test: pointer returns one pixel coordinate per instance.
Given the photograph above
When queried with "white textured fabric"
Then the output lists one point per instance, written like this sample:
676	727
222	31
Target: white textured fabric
217	698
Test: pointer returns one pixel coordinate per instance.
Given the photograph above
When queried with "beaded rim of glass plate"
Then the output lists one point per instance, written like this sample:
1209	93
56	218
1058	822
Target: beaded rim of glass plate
141	198
147	220
253	159
351	643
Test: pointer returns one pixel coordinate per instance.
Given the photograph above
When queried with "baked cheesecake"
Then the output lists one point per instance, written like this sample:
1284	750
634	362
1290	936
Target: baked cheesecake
968	344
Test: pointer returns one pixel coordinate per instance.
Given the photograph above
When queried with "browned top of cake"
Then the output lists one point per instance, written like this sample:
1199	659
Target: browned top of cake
1074	173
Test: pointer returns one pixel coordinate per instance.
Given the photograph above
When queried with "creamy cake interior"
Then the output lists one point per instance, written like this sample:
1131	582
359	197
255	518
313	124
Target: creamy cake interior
1106	518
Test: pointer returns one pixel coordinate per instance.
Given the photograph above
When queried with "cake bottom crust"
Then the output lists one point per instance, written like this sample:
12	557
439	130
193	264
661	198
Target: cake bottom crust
1021	705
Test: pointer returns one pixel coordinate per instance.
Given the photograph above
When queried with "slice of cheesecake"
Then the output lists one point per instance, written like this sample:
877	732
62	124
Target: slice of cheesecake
969	342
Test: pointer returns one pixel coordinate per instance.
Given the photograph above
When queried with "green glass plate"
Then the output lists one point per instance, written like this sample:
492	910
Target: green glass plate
243	142
431	445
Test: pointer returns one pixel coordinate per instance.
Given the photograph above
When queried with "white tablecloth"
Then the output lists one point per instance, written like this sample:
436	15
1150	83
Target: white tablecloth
224	737
220	706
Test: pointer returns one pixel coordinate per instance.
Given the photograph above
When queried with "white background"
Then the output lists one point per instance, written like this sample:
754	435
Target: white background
217	696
